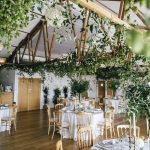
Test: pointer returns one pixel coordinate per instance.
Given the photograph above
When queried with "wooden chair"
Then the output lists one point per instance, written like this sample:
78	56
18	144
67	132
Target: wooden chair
108	103
85	137
92	103
124	131
108	123
11	119
59	145
58	124
64	102
50	119
59	106
83	119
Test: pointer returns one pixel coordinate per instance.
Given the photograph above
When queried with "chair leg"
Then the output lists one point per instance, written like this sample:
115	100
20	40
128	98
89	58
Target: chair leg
53	132
61	134
70	132
111	132
49	128
106	132
15	124
9	123
114	131
6	126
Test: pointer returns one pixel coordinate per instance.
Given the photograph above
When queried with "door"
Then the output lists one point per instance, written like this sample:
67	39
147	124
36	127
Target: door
101	89
29	94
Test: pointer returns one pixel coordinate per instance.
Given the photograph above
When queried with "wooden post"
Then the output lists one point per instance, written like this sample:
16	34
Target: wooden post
37	44
121	9
45	46
52	43
102	12
48	43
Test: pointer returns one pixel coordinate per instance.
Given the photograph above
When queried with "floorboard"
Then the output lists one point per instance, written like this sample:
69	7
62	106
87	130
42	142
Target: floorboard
31	133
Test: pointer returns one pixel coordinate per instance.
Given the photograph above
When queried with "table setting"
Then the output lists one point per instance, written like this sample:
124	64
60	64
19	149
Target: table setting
70	115
122	144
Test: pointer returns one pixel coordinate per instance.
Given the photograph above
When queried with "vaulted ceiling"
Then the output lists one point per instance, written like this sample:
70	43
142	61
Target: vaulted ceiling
67	46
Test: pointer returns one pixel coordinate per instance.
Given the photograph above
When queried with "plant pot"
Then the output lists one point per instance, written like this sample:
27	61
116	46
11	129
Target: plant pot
45	107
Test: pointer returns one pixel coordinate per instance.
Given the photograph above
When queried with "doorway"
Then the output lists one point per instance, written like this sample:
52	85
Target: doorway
29	90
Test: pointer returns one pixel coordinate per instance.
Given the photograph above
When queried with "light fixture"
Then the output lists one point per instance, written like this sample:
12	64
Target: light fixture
1	46
2	60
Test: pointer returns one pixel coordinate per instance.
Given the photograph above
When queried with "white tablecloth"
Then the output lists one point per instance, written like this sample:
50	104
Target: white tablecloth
4	112
109	145
116	104
71	118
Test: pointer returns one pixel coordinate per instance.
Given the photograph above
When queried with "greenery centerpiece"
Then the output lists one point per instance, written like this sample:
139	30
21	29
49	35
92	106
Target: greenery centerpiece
79	86
57	93
114	85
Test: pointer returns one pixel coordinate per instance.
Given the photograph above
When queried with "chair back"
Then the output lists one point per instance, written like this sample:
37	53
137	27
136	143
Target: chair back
83	119
124	131
59	106
59	145
64	102
92	103
58	117
13	111
85	137
49	112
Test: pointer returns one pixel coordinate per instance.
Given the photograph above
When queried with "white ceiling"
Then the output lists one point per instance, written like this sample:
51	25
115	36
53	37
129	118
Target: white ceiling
69	45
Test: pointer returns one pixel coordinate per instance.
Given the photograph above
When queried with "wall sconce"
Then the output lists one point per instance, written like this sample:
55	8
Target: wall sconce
102	84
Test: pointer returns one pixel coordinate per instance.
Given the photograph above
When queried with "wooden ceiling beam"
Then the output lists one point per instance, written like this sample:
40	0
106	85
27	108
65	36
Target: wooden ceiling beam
102	12
25	40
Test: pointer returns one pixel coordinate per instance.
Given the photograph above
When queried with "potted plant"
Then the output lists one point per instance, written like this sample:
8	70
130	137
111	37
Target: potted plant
45	91
57	93
114	84
65	91
79	87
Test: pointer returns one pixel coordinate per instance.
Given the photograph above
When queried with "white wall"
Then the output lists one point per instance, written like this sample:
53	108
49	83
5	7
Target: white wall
7	77
51	81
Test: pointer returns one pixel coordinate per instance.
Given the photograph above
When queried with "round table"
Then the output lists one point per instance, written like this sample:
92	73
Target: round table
71	118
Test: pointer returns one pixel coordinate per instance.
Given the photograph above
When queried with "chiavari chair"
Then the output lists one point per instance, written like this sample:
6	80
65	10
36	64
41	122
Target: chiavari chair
50	118
83	119
85	138
59	106
108	123
11	119
124	131
59	125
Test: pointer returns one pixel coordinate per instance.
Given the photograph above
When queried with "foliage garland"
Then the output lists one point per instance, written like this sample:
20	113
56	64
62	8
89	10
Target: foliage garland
14	15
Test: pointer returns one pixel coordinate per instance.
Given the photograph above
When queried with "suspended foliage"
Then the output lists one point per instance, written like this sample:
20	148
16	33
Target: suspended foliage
14	15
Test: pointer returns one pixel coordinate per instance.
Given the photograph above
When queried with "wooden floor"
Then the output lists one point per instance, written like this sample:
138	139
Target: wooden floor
31	134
